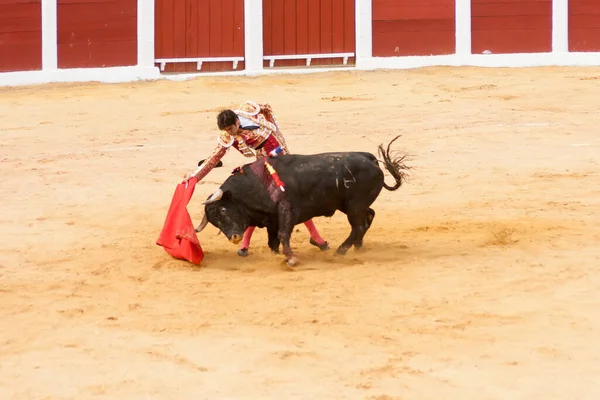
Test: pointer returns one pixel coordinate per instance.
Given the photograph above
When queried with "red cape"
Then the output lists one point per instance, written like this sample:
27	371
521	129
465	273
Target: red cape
178	236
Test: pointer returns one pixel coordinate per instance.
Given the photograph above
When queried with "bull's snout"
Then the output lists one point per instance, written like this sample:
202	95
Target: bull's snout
236	238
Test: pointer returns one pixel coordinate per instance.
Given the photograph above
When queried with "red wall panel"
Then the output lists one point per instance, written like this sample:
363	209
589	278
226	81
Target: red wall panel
97	33
584	25
199	28
413	27
511	26
20	35
308	27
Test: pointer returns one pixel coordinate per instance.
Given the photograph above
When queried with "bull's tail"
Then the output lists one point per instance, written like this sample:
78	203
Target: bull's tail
394	164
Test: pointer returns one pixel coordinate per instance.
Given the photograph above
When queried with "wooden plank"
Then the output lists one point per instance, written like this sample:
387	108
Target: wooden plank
584	21
513	41
584	40
179	33
289	28
302	27
117	31
267	27
584	7
400	38
167	32
419	26
20	57
528	8
337	26
227	27
19	2
349	26
112	3
20	36
277	28
30	38
402	11
11	11
222	31
158	27
511	22
71	13
507	2
203	28
191	32
239	33
97	54
326	31
380	4
110	30
314	26
19	24
214	38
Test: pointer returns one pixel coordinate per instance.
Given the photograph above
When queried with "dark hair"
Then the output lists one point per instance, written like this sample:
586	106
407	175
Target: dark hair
226	118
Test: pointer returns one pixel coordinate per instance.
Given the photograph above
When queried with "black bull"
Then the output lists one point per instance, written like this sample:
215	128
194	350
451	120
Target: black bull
315	185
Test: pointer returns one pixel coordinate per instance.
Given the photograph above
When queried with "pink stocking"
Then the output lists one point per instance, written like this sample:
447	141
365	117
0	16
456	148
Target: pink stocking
247	237
314	234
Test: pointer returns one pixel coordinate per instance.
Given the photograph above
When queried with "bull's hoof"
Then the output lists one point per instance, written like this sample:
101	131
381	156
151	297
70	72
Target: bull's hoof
322	247
341	251
243	252
292	261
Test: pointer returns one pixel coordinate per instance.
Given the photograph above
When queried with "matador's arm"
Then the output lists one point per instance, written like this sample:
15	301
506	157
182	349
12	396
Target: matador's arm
224	143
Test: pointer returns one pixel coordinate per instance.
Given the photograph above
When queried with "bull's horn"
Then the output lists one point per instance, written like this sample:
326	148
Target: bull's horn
202	224
215	196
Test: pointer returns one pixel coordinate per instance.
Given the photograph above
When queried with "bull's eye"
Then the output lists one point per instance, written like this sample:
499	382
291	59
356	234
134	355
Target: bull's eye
223	210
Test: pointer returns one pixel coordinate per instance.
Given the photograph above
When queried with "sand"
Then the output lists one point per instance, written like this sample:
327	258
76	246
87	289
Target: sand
479	278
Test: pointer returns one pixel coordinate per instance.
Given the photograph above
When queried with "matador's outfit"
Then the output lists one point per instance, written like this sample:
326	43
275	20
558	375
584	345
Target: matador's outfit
258	136
259	131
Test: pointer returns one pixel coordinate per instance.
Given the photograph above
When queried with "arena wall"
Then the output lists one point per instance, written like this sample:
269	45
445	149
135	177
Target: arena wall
295	28
193	30
79	40
502	27
20	35
413	27
125	40
96	33
584	25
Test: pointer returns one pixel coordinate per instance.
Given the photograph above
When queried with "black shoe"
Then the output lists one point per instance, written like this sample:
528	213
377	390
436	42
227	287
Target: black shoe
322	247
242	252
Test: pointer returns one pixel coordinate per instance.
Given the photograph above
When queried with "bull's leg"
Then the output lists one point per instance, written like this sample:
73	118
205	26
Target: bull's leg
368	221
286	225
273	239
370	217
357	221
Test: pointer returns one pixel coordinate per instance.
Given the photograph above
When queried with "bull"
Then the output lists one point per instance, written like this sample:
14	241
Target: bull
313	185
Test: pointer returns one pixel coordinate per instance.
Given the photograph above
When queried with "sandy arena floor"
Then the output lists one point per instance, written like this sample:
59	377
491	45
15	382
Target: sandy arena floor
479	279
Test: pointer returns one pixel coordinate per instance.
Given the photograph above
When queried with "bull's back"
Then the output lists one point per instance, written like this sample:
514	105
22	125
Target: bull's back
323	183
